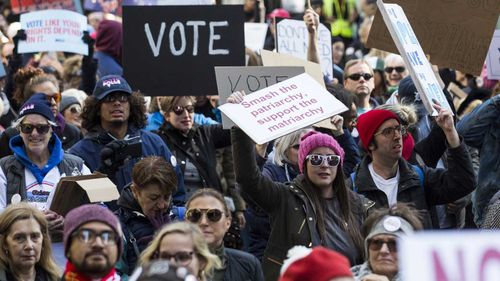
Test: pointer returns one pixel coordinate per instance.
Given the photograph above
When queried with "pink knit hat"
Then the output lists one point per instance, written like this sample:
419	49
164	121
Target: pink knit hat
314	139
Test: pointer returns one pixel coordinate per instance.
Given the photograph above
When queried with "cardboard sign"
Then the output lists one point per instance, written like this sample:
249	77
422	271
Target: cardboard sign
493	59
72	192
283	108
249	79
292	39
274	59
53	30
450	255
409	47
456	34
255	35
24	6
172	50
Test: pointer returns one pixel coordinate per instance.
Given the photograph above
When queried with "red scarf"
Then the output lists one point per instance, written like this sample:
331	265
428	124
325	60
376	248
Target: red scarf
71	274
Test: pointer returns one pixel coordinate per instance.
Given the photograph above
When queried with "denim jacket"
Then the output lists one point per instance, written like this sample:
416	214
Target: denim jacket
481	129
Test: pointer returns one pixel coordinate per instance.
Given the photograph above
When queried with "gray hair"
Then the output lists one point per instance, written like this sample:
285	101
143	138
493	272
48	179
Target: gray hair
17	123
283	143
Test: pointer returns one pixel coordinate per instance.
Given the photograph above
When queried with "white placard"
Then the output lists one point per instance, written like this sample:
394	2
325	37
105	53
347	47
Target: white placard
493	59
450	255
255	35
407	43
292	39
283	108
53	30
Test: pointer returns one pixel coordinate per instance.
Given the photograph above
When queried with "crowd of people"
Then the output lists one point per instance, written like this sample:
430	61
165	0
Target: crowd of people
200	202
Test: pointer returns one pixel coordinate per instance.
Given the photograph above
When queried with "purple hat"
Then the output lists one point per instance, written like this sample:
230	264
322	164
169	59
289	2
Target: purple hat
90	213
314	139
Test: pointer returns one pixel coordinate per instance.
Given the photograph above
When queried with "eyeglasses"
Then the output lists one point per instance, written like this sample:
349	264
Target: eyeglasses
357	76
181	258
318	159
376	244
115	97
56	97
89	236
75	109
194	215
295	146
389	132
399	69
180	109
42	129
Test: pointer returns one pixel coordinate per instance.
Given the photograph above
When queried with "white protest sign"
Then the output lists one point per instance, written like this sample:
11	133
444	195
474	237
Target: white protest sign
408	46
450	256
255	35
493	59
283	108
53	30
292	39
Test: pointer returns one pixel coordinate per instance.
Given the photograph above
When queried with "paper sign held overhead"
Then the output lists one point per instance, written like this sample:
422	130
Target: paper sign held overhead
53	30
493	59
292	39
456	34
283	108
249	79
255	35
172	50
450	255
407	43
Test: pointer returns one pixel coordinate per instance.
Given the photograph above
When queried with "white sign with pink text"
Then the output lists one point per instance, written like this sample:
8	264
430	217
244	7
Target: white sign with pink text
283	108
450	256
53	30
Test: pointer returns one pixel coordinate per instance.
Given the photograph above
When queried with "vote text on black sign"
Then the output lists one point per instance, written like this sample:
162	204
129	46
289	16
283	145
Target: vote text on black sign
172	50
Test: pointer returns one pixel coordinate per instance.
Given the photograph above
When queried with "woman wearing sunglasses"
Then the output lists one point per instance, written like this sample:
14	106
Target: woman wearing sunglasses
316	208
29	81
381	230
195	147
39	161
208	209
182	244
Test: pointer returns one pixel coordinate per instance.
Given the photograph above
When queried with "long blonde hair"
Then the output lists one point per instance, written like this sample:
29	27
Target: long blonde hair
200	247
23	211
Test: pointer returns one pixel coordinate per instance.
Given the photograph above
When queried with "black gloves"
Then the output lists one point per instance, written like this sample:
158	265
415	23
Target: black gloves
111	158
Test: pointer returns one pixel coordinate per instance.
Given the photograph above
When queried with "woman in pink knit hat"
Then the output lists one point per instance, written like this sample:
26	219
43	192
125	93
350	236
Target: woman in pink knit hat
314	209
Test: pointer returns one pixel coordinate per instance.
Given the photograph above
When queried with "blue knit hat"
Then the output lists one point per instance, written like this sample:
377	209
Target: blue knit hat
37	104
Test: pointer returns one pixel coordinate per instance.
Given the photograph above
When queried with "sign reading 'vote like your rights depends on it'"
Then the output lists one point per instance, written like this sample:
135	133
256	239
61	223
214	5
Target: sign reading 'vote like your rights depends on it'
407	43
283	108
53	30
172	50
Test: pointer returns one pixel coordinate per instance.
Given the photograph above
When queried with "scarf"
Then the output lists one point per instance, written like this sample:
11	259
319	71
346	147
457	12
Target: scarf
71	274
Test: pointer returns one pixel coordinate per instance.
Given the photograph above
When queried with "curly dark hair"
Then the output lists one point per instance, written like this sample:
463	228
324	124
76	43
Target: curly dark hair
92	110
407	211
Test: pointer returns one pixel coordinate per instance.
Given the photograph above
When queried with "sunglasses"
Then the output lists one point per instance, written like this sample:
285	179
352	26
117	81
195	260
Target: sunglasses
181	258
376	245
357	76
89	236
318	159
56	97
194	215
398	69
42	129
389	132
75	109
115	97
178	110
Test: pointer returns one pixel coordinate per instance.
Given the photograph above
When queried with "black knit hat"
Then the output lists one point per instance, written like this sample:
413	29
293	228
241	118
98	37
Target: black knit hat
37	104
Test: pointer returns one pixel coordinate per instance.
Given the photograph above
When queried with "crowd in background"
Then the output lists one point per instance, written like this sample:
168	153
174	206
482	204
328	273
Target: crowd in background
209	201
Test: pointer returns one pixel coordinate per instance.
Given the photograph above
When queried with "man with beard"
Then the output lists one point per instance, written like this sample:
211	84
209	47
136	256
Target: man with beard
358	79
385	177
115	117
92	243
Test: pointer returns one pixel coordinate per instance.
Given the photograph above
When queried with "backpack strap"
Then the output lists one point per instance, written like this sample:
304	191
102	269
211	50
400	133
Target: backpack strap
354	187
420	173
